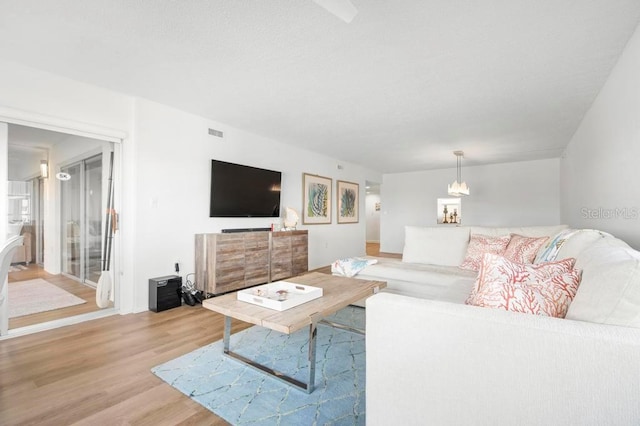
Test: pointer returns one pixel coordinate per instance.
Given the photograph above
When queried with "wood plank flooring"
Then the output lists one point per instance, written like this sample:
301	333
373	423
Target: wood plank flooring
98	372
80	290
373	249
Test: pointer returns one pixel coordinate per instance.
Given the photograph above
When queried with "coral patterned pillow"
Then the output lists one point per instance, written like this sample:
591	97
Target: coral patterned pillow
481	244
523	249
496	270
550	297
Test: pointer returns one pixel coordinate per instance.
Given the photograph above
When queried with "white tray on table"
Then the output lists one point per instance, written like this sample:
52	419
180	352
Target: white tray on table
280	295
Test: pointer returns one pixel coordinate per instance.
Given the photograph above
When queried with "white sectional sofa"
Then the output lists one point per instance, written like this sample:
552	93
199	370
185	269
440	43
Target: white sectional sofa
432	360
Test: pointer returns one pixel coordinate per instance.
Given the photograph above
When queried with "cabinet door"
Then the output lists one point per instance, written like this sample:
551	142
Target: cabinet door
256	258
281	256
299	253
229	263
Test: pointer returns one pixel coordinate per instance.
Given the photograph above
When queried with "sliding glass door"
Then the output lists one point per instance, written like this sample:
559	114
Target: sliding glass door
81	228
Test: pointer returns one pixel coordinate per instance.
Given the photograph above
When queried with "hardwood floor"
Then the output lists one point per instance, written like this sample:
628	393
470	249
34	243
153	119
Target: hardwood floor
373	249
98	372
80	290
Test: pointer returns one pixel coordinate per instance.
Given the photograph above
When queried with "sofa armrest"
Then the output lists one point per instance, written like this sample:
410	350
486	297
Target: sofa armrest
431	362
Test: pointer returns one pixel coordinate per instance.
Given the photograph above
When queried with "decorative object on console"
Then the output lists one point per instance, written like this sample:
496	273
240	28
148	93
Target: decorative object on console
348	201
449	211
479	245
316	199
523	249
458	188
291	219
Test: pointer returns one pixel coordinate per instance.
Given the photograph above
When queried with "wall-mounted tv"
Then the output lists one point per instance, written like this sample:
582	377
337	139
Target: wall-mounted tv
243	191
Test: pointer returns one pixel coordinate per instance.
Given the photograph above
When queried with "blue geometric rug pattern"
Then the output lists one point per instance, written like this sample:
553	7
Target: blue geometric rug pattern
243	396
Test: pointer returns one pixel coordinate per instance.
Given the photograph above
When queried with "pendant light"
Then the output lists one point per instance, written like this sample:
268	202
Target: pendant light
458	188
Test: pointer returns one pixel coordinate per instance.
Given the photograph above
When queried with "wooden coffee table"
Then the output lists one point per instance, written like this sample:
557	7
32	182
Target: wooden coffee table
338	292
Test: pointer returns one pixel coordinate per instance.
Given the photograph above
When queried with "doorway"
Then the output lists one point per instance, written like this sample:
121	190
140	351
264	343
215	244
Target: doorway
372	211
64	222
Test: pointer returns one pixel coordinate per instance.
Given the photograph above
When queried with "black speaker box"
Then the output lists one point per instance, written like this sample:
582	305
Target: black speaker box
165	293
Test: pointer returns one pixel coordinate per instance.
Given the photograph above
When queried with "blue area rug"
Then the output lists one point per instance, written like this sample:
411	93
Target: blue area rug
244	396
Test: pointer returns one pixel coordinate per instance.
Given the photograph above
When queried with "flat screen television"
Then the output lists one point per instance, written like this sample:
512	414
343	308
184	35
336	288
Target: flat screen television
243	191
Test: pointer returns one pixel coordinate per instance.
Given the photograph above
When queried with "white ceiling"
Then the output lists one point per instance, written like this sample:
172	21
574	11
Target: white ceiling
398	89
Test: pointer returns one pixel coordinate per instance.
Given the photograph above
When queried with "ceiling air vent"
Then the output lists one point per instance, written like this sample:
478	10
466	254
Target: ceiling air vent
214	132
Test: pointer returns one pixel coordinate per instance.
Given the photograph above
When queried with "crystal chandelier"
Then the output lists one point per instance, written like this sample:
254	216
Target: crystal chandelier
458	188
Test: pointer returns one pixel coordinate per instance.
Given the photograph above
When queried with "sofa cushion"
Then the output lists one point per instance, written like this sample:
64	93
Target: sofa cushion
481	244
421	280
550	297
498	269
523	249
527	231
435	245
610	288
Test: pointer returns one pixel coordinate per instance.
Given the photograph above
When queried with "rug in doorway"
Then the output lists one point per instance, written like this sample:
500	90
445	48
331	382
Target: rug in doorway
244	396
17	268
35	296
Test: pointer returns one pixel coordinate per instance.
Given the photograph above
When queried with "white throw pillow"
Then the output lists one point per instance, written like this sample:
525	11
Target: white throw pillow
610	288
579	241
435	245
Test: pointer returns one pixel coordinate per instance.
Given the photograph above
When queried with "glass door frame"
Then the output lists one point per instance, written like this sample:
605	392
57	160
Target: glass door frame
83	224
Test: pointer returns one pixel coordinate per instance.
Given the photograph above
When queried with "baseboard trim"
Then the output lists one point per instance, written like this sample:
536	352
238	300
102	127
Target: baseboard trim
62	322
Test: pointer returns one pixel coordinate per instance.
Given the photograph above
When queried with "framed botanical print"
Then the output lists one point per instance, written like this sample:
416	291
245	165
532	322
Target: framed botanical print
348	201
317	199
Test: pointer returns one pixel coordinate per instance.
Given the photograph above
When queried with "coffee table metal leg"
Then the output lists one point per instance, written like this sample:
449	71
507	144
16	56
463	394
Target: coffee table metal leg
227	333
313	334
307	387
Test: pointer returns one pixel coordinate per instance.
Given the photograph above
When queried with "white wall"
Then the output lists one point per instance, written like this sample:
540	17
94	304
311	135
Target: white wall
510	194
172	181
32	96
600	173
164	175
172	178
372	218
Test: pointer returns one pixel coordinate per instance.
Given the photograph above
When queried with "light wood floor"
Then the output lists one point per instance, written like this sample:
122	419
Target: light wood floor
373	249
98	372
80	290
